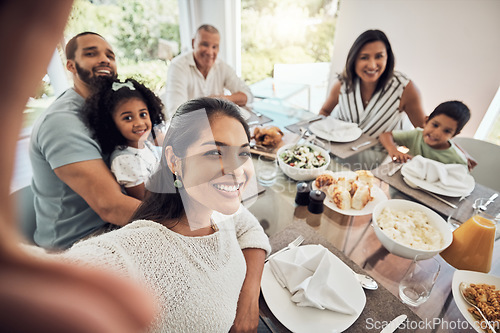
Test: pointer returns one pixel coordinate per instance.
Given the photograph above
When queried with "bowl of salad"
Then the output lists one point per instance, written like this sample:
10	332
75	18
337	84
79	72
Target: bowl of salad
303	162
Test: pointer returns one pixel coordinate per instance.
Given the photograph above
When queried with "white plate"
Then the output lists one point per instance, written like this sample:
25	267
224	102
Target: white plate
325	129
300	319
244	113
376	192
469	184
470	277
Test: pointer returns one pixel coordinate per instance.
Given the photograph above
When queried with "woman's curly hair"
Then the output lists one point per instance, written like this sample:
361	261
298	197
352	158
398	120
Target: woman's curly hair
99	108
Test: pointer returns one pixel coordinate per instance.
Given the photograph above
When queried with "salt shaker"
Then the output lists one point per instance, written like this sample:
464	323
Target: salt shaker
302	197
316	198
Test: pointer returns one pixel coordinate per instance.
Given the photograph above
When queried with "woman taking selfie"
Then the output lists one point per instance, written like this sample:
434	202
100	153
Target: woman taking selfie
191	241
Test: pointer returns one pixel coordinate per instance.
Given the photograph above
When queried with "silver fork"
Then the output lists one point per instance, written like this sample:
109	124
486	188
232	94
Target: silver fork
296	242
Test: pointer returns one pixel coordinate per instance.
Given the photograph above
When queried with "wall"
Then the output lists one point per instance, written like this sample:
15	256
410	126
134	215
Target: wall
449	48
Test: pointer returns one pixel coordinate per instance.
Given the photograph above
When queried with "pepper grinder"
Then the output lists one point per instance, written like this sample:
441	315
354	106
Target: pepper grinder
302	197
316	198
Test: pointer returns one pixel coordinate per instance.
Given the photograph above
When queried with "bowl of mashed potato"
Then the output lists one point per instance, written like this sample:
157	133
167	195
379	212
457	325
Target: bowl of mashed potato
406	229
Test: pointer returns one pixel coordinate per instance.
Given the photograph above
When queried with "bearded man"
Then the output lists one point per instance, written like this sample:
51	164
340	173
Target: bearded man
75	193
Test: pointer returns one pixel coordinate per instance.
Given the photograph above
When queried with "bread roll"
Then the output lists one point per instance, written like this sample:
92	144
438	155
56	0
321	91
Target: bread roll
341	197
361	197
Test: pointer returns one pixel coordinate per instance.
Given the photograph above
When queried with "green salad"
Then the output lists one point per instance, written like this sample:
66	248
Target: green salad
303	157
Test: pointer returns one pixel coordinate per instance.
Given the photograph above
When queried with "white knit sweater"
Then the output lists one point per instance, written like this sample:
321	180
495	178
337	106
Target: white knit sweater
196	280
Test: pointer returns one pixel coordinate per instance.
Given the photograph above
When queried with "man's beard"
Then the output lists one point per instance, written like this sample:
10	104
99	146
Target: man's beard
91	80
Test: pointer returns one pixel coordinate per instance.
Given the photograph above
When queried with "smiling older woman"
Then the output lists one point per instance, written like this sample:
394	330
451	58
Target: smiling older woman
185	243
370	93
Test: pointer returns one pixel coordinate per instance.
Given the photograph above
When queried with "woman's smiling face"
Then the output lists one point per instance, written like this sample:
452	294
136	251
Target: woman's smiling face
218	165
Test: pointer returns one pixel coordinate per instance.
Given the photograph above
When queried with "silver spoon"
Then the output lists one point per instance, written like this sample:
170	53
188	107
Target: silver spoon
484	206
366	281
462	288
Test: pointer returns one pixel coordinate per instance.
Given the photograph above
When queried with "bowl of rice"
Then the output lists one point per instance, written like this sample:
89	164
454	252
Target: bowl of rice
303	162
407	229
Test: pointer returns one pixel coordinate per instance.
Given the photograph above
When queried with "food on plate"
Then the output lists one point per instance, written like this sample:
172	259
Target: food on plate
411	228
341	197
361	196
269	136
303	157
487	298
365	176
324	181
345	183
347	192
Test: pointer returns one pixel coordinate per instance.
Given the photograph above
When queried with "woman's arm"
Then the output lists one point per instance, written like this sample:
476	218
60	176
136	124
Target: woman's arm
136	191
247	311
331	101
411	103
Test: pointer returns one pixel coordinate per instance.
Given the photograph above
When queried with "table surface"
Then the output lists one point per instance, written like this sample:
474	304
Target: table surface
353	240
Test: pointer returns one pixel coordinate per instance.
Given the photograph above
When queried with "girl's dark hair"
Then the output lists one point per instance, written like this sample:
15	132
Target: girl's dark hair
163	200
100	106
369	36
455	110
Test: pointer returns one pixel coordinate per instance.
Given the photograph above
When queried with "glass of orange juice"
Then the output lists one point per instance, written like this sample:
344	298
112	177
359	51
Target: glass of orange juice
472	246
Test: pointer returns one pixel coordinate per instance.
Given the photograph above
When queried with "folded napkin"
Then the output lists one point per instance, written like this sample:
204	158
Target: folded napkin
451	177
311	279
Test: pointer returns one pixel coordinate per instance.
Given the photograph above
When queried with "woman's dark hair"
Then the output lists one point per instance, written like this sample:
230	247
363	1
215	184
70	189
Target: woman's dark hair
369	36
100	106
455	110
163	200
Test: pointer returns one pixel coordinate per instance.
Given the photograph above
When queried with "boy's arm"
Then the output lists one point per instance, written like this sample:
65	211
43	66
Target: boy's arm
471	162
387	140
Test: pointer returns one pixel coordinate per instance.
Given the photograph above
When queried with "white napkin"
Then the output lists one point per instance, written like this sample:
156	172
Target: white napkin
311	279
450	177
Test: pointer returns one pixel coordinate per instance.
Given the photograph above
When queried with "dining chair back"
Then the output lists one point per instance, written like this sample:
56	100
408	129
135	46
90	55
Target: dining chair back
25	212
487	155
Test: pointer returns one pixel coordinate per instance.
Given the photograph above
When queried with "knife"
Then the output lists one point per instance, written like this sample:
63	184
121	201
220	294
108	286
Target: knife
394	170
394	324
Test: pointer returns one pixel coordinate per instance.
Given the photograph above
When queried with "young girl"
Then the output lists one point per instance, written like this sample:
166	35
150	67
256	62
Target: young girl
191	242
121	116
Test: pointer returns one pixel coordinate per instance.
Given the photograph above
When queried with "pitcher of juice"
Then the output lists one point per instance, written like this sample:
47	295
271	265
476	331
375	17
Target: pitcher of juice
472	246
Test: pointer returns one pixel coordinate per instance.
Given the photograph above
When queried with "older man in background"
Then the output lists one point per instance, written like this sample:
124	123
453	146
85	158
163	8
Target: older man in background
200	74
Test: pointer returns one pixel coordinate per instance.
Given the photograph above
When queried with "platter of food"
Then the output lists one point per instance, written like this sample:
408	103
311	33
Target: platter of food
480	285
266	140
349	192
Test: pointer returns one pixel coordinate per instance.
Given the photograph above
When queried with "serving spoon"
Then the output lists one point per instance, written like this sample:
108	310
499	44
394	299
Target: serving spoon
484	206
462	288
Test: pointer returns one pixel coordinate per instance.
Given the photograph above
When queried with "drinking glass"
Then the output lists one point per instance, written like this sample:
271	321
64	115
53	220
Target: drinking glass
416	285
267	170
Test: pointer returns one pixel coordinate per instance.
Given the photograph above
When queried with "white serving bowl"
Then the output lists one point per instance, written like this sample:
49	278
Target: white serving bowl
302	174
400	249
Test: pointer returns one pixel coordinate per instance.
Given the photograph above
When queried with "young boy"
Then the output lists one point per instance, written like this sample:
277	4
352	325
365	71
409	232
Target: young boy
433	141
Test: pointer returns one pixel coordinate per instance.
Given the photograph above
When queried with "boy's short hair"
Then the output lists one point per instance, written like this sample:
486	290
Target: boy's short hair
455	110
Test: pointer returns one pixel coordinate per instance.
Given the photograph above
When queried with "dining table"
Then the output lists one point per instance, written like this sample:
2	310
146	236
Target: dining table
352	238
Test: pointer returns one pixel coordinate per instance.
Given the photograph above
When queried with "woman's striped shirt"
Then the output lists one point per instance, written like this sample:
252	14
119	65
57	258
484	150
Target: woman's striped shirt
382	113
